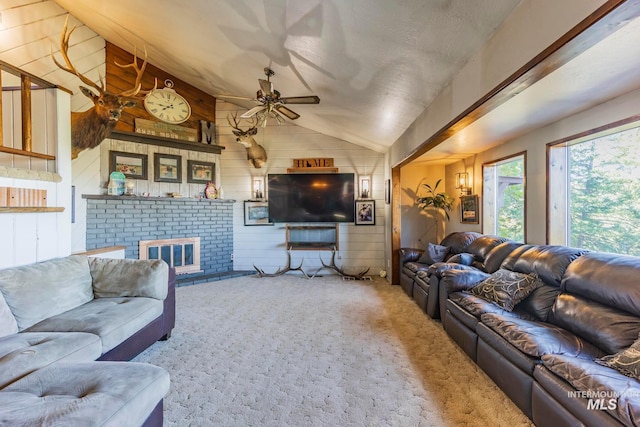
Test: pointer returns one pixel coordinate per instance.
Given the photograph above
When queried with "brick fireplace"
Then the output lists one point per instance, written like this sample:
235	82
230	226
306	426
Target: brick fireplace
126	221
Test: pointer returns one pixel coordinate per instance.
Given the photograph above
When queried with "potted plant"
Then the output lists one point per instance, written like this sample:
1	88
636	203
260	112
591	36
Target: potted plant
434	200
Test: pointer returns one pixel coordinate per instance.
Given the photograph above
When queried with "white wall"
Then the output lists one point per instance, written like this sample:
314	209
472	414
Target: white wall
264	246
29	29
533	26
534	143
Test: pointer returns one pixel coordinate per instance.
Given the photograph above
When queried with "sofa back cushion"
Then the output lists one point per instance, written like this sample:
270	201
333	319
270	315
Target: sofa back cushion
607	278
129	278
459	241
481	246
510	260
493	260
606	327
38	291
8	323
549	262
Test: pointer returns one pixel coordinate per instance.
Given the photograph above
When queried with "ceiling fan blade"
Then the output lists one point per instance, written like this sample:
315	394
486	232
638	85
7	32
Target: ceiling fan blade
252	111
291	115
312	99
244	98
266	86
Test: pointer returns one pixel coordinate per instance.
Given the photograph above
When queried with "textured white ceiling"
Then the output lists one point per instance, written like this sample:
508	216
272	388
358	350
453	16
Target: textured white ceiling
375	64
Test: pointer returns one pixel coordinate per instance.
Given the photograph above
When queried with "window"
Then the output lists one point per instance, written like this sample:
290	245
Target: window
503	197
594	187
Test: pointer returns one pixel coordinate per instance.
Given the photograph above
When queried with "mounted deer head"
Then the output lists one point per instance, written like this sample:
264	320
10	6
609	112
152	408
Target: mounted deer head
89	128
256	153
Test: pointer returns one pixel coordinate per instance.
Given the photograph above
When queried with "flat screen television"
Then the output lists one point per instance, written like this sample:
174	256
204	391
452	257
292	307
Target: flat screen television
311	197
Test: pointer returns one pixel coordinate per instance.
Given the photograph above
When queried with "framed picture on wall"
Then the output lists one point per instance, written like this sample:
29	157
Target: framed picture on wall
365	212
200	172
469	211
167	168
132	165
256	213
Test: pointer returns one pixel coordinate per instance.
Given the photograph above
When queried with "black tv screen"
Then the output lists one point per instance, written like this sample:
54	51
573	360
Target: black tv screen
311	197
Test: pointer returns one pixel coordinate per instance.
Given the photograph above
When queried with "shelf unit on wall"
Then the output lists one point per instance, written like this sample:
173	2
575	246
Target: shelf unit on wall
165	142
313	237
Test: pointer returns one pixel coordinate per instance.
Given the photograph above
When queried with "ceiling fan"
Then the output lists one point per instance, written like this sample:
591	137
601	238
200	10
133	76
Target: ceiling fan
271	103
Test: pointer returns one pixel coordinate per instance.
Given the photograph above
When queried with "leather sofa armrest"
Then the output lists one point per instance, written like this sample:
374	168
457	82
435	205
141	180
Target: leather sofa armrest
460	280
410	254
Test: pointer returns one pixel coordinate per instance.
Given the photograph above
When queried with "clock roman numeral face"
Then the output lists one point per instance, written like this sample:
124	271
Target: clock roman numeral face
167	106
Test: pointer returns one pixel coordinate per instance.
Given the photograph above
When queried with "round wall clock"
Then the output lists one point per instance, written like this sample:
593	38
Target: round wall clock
167	105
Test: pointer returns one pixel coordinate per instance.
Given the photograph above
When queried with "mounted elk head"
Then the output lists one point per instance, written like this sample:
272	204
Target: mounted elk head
89	128
256	153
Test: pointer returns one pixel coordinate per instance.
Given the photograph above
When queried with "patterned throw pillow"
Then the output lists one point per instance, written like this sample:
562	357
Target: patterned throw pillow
507	288
627	361
434	253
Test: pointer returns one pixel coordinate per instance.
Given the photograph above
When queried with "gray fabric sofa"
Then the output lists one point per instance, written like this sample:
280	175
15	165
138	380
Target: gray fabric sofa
567	354
67	328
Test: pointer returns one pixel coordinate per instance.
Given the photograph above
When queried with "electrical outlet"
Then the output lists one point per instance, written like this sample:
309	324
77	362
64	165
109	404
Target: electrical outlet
231	257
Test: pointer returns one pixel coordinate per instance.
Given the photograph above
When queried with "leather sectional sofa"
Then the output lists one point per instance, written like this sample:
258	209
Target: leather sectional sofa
68	326
565	347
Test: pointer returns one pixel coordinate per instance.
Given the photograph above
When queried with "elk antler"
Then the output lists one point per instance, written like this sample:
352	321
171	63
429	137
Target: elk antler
64	48
332	265
281	271
137	88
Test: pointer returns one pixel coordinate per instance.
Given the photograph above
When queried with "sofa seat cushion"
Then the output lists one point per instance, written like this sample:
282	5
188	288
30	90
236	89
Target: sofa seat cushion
23	353
83	394
536	339
411	268
38	291
112	319
597	381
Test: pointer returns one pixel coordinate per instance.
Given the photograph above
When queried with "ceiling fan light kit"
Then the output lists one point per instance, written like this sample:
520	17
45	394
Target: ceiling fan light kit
271	104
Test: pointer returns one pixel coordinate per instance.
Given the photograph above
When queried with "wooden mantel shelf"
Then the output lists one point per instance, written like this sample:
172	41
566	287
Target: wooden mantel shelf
30	210
165	142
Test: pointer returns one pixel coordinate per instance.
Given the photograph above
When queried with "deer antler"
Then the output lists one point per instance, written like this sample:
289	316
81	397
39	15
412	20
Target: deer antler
64	48
236	124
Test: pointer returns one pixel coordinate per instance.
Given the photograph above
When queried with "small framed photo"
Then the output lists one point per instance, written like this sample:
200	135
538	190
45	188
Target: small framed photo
200	172
469	209
132	165
167	168
256	213
365	212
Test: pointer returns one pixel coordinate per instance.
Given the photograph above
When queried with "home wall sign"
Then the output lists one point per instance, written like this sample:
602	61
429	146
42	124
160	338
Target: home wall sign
318	162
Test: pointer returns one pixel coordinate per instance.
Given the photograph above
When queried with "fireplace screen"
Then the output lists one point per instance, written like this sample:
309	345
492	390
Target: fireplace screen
183	254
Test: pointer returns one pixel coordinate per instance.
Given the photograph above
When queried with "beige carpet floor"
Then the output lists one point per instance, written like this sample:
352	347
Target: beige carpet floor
291	351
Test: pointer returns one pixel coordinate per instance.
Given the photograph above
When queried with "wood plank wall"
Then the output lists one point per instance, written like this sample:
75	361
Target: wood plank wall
203	105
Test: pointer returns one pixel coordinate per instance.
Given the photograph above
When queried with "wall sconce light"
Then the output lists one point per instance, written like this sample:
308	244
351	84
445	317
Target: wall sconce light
462	183
257	187
365	187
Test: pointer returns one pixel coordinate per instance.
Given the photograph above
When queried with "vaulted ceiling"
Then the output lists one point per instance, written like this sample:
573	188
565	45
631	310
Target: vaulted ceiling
375	64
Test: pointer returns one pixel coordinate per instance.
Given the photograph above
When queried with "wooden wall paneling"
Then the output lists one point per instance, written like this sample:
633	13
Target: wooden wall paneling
118	79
